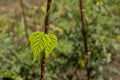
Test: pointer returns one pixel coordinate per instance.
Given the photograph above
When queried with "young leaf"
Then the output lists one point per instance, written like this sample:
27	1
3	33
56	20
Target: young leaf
50	44
37	41
41	43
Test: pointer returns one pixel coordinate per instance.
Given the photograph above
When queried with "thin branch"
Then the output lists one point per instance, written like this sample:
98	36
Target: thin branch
24	18
47	21
84	33
47	18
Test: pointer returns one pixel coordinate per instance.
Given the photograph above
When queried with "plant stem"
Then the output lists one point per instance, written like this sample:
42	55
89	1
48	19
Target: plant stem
47	21
47	18
24	18
84	33
43	67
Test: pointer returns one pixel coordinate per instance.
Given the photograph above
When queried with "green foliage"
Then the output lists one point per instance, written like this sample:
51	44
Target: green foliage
41	43
103	28
9	74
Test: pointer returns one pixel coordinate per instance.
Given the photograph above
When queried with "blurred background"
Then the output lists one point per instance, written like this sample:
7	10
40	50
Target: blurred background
67	60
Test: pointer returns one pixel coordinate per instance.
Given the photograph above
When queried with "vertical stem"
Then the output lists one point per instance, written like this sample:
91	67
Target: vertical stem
43	67
84	33
47	21
24	18
47	18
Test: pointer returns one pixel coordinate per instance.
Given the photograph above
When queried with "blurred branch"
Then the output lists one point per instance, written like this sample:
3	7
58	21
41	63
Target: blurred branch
24	18
84	33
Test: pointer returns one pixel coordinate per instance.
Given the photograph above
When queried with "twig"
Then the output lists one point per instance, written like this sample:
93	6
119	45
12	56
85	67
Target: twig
47	20
24	18
84	33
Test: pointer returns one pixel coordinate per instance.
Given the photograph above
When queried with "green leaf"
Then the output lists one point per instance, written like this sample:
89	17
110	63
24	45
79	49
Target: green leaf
50	44
41	43
37	41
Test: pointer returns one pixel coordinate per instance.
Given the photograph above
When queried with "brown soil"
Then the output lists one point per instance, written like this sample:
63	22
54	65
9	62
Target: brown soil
11	5
8	5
